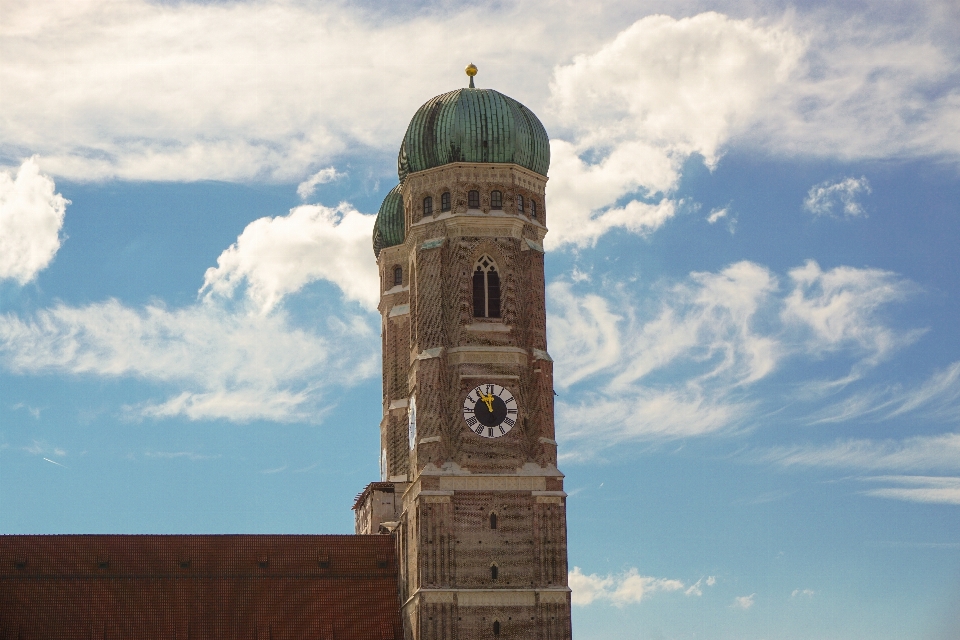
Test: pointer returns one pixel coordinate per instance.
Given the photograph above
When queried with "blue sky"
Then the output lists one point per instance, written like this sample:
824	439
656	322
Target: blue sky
753	286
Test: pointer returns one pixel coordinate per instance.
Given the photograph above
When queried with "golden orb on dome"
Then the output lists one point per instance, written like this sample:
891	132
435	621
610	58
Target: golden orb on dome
471	69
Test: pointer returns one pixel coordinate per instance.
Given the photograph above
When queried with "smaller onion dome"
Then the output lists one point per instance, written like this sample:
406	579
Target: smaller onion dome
388	230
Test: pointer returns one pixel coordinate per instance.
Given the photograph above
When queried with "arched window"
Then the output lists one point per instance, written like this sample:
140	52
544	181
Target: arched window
486	289
494	570
445	201
428	206
496	200
473	200
533	209
493	520
519	204
496	627
398	275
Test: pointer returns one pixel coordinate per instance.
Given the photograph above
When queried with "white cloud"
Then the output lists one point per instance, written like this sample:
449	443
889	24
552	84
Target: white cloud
925	489
744	602
275	257
823	199
839	308
938	398
227	365
716	214
628	587
661	91
919	453
809	593
685	363
31	215
306	188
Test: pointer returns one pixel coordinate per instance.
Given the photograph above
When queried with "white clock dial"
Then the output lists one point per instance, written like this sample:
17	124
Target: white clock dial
490	410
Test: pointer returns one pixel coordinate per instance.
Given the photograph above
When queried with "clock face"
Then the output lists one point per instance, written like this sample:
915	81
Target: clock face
490	410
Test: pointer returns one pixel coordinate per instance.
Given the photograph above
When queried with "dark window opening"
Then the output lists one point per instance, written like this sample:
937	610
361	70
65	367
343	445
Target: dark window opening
533	209
493	572
473	200
428	206
496	628
519	204
486	289
445	201
496	200
397	276
493	521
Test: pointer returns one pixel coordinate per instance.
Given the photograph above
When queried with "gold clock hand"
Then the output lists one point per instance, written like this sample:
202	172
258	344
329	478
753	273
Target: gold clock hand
488	400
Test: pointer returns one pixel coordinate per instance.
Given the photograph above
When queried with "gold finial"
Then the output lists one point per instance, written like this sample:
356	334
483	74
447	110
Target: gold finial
471	71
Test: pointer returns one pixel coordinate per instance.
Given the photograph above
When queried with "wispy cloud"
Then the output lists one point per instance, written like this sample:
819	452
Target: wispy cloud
805	593
918	453
745	602
926	489
686	364
837	198
174	455
307	188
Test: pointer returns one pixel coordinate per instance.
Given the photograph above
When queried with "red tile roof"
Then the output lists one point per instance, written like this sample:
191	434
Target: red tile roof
198	586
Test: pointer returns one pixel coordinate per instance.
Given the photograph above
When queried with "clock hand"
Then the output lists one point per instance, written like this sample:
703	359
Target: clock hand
488	400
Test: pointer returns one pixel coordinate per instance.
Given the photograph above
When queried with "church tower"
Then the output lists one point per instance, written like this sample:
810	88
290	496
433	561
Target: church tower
469	483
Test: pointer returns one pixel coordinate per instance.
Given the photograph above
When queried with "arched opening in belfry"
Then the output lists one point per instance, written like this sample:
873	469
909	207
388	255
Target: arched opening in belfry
486	289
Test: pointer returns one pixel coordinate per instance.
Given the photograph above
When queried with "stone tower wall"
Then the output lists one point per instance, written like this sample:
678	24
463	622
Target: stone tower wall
435	351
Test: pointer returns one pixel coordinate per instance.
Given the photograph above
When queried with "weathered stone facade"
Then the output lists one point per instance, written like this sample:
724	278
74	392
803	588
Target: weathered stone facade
480	522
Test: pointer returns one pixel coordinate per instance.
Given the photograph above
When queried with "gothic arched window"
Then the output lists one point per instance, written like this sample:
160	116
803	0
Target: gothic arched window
533	209
473	200
428	206
496	627
445	201
519	204
496	200
398	275
486	289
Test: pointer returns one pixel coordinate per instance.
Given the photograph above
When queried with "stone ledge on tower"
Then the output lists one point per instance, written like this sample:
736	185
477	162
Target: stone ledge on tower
377	507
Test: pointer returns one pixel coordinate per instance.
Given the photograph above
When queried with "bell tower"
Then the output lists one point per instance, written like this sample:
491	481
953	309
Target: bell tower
469	483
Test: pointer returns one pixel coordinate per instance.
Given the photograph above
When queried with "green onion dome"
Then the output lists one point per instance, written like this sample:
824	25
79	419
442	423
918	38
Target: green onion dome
473	125
388	228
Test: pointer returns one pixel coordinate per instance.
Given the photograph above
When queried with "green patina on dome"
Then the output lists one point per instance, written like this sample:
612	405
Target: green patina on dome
473	125
466	125
388	229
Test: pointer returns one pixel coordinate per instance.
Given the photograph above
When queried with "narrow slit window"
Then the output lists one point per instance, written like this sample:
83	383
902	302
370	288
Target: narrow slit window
445	201
473	200
494	571
519	204
428	206
486	289
493	521
496	200
533	209
397	276
496	627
